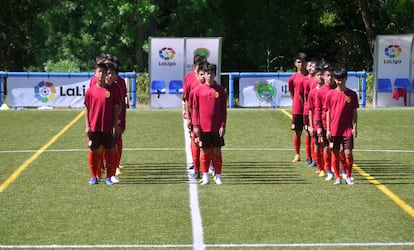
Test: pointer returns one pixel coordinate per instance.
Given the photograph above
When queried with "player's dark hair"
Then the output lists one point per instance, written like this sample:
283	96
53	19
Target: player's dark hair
316	70
111	66
203	67
199	59
101	66
339	73
301	56
100	58
212	68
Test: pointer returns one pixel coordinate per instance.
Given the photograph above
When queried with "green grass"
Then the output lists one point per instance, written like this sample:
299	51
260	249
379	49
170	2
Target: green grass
265	199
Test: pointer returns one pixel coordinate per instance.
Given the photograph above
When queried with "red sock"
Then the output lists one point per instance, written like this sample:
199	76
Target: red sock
349	163
205	161
342	160
217	163
312	145
335	164
318	159
195	152
296	143
308	149
327	160
94	158
110	163
120	146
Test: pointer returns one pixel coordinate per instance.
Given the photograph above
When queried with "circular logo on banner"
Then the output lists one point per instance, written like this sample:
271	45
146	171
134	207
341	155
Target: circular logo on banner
45	91
202	51
265	91
166	53
393	51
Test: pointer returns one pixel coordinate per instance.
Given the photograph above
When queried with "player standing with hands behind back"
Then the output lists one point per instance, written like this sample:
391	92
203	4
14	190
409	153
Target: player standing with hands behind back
341	120
209	122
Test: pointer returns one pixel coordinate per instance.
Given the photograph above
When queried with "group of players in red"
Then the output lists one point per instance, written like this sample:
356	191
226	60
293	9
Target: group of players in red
326	109
105	112
205	110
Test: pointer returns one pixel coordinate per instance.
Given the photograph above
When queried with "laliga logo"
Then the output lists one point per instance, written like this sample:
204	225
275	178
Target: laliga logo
166	54
45	91
392	51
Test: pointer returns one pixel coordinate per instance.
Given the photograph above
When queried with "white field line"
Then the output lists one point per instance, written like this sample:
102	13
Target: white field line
287	245
196	220
189	162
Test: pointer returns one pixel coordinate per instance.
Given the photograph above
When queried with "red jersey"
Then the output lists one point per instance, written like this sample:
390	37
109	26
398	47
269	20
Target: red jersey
120	82
295	87
100	102
309	84
341	106
92	81
190	102
320	109
209	108
188	81
311	105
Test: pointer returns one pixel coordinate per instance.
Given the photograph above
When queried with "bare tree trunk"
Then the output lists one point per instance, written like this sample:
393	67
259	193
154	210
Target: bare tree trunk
366	17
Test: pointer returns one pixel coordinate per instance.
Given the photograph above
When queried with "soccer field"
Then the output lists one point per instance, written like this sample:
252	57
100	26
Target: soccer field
265	202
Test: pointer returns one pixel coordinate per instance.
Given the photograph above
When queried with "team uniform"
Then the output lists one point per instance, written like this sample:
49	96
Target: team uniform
296	89
308	84
311	105
123	94
341	107
100	103
209	115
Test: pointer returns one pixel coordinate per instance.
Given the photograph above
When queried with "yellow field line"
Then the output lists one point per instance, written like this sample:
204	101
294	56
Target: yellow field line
25	164
386	191
378	184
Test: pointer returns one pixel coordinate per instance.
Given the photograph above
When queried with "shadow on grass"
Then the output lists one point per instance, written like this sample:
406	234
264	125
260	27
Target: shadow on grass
239	173
388	172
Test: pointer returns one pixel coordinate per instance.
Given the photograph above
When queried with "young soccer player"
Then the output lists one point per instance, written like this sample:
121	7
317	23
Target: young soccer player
317	148
341	117
296	89
195	149
320	118
102	107
308	84
209	117
189	79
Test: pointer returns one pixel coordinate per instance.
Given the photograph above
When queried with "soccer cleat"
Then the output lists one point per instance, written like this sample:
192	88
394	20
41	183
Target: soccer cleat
205	179
115	179
296	159
93	181
118	172
321	173
121	166
217	179
108	182
329	176
308	161
350	181
344	175
190	167
313	164
338	181
194	174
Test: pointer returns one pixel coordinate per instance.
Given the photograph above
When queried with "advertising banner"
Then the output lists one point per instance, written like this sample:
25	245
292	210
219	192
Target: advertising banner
393	65
262	92
210	47
45	91
170	59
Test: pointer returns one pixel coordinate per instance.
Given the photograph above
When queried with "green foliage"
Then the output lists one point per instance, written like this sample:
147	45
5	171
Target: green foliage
35	33
143	88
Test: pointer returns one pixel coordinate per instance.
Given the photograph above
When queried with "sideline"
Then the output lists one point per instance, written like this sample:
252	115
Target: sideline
397	200
26	164
196	220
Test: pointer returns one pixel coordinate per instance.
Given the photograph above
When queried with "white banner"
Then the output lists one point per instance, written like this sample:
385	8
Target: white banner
393	60
210	47
170	60
45	91
263	92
